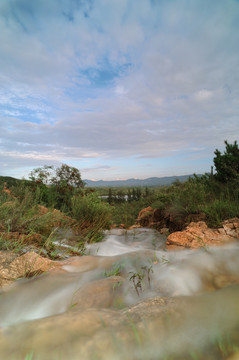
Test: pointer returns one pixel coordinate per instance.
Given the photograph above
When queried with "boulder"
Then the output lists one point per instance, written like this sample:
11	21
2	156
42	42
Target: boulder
27	265
31	264
148	217
145	331
198	235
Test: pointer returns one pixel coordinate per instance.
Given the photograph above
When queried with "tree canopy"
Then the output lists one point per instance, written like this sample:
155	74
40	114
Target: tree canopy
64	176
56	186
227	164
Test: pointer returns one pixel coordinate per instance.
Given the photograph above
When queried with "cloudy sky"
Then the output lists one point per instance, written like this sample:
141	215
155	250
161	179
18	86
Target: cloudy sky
117	88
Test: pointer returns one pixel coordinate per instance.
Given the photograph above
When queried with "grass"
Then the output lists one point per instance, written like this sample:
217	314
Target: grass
116	270
92	214
25	220
29	356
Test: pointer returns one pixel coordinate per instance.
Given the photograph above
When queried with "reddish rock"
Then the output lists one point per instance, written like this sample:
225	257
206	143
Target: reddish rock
231	227
198	235
134	227
145	216
150	217
27	265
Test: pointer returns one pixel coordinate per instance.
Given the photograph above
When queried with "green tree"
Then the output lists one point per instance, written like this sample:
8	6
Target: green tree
227	164
55	186
67	176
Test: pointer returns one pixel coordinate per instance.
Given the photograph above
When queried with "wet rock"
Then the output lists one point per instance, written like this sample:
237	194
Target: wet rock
79	264
235	356
221	281
31	264
6	258
27	265
61	336
103	293
144	331
198	235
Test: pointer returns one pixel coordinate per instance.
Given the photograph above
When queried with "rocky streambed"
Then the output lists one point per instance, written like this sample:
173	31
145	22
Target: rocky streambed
129	297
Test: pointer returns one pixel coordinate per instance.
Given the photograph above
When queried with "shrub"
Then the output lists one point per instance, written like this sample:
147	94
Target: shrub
227	164
92	214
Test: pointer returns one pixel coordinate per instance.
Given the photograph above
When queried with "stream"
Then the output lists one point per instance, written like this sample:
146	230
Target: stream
128	298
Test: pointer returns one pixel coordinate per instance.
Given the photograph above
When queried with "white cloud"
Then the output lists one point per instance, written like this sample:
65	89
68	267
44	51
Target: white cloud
203	95
120	90
101	80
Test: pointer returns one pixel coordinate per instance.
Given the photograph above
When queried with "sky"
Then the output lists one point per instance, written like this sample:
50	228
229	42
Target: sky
117	88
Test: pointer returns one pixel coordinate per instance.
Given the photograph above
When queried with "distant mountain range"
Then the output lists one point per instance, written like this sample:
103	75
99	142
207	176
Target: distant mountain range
152	181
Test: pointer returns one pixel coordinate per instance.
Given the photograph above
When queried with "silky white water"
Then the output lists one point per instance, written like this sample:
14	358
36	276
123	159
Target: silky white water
149	271
164	273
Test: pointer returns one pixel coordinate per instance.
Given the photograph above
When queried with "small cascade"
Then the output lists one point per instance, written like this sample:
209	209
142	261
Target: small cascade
140	270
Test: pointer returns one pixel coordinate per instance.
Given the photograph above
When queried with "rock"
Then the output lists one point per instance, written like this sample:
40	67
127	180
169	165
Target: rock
154	218
235	356
103	293
145	216
31	264
144	331
132	227
27	265
79	264
231	227
6	258
221	281
198	235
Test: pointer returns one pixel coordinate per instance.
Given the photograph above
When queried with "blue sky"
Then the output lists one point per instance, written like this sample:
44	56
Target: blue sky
117	88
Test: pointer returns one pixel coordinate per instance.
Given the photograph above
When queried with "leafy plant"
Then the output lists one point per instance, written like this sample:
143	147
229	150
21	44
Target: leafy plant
138	277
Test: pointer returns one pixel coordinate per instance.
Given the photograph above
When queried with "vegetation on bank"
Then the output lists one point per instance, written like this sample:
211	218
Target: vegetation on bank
56	198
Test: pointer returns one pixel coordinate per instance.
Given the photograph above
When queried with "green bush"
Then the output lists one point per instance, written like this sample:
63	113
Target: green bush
219	210
205	194
92	214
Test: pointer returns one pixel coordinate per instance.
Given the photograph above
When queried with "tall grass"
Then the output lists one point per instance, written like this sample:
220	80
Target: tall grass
199	195
92	214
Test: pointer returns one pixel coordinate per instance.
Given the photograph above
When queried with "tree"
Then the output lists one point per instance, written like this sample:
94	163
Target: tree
62	176
42	175
67	176
227	164
56	185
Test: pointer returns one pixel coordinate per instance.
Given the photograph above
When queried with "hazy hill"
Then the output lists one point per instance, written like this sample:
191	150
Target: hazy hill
152	181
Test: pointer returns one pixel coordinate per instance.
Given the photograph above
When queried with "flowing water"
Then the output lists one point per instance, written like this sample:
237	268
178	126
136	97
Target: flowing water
148	282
